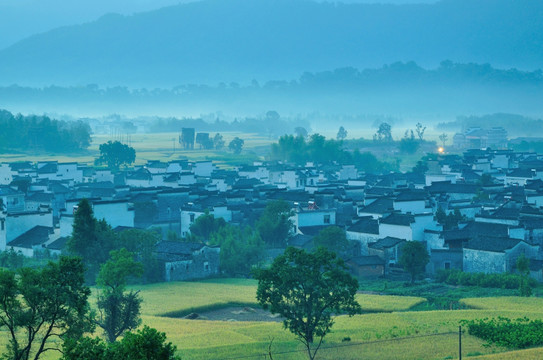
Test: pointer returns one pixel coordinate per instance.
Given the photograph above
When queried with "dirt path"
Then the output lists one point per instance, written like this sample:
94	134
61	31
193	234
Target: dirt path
236	313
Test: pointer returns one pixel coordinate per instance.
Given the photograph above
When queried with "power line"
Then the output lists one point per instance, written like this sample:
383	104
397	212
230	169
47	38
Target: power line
339	346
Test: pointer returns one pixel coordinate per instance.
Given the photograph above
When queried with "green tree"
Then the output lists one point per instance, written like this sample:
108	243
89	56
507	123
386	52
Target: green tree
115	154
91	239
118	310
241	249
384	133
306	289
409	144
40	306
142	243
420	129
332	238
414	258
274	225
341	134
204	225
218	141
236	145
523	267
145	344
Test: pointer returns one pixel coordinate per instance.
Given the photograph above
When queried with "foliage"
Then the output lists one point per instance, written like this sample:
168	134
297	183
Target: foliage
420	129
40	132
142	244
236	145
145	344
449	221
115	154
218	141
384	133
341	134
306	288
500	281
10	259
332	238
414	258
38	307
91	239
118	311
408	144
523	267
301	132
206	224
241	249
512	334
274	225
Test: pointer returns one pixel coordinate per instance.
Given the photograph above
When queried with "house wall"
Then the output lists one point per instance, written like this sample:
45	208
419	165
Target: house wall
484	261
203	168
315	218
6	175
414	207
363	238
397	231
203	264
15	225
440	259
115	213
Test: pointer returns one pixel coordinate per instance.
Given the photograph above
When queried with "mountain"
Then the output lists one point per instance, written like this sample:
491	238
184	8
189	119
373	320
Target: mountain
213	41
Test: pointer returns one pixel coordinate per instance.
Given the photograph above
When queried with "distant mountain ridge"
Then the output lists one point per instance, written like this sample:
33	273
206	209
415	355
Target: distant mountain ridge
214	41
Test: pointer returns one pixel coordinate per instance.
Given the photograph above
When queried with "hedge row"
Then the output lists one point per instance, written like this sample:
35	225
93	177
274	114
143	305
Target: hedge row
500	281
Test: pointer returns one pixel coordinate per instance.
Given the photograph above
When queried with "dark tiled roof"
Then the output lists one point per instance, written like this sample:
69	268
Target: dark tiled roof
386	243
35	236
379	206
59	244
366	225
177	248
411	195
311	230
491	243
398	219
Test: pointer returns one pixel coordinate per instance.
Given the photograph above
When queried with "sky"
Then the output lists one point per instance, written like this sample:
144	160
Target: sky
22	18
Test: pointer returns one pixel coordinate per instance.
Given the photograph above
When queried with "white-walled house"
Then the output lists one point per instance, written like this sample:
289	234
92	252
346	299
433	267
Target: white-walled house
13	225
406	226
365	231
317	217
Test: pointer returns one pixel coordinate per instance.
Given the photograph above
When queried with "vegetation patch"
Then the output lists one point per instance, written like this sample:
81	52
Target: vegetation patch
512	334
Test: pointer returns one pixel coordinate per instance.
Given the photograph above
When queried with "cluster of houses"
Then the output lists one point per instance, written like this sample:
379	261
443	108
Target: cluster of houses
499	194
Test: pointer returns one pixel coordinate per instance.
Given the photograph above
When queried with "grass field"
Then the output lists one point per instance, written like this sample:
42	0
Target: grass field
390	329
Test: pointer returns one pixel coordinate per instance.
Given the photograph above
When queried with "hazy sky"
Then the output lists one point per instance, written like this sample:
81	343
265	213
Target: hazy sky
22	18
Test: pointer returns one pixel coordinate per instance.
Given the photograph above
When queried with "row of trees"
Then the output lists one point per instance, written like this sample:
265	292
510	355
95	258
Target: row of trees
42	133
299	150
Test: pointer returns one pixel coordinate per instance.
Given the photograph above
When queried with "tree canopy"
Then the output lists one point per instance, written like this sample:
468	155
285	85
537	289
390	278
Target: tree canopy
414	258
236	145
39	306
332	238
274	225
115	154
306	289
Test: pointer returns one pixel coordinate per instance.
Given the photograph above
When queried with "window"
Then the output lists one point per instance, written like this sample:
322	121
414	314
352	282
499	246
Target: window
327	219
3	222
206	266
447	265
191	218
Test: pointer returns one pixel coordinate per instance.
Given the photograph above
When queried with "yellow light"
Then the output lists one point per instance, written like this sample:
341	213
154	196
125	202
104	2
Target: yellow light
440	150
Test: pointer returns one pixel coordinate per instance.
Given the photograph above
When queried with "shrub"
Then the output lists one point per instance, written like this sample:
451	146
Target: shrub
513	334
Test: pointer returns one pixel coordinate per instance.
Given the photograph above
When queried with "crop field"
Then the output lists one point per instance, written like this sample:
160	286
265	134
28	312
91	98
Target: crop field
387	330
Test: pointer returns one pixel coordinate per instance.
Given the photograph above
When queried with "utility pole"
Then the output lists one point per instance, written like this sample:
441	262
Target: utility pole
460	342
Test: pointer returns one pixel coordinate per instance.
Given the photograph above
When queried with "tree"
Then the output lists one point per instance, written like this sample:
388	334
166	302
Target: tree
384	133
91	239
115	154
443	138
218	141
332	238
142	243
274	225
40	306
204	225
523	267
241	249
341	134
420	130
409	144
118	310
145	344
236	145
300	131
414	258
306	289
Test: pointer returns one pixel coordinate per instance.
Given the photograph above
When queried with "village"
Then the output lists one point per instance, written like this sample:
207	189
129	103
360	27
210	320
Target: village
477	212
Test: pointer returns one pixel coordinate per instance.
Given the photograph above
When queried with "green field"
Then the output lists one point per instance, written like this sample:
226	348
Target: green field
388	329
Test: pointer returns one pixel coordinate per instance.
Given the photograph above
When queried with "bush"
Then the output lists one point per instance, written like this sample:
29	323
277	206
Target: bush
499	281
512	334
